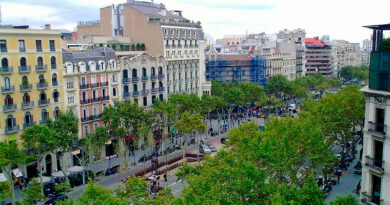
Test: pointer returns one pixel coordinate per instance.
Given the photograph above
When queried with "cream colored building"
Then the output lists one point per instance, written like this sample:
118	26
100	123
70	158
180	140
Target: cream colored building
345	54
165	33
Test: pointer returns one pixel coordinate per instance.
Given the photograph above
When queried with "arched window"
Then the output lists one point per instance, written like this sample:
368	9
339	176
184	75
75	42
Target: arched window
134	73
160	84
10	122
28	119
161	97
8	100
160	70
23	62
56	112
53	62
102	65
125	74
56	95
40	62
95	110
153	99
92	66
82	67
114	91
42	96
135	87
69	67
153	71
26	98
44	116
6	83
54	79
125	89
113	64
41	78
143	71
145	101
4	63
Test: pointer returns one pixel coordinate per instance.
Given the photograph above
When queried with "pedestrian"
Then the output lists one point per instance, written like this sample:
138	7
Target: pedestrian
338	178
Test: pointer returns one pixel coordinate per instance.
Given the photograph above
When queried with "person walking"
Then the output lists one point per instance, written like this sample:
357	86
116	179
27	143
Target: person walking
338	178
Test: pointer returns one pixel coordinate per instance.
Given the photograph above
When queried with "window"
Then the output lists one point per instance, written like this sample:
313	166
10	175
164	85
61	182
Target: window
3	46
153	71
95	110
6	83
145	100
53	62
135	87
69	84
134	72
4	64
22	47
160	84
113	78
143	71
113	91
70	99
52	45
143	86
41	79
56	95
38	45
54	79
26	98
39	62
56	112
23	63
125	74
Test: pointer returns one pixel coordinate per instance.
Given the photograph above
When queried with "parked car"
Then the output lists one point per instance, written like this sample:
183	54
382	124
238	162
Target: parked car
291	107
204	149
144	158
224	140
212	148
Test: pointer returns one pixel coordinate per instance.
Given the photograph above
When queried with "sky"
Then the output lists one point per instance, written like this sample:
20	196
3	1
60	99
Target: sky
340	19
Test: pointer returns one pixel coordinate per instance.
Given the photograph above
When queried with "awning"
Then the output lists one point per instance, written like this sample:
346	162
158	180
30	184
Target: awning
44	179
58	174
76	169
108	142
17	173
3	178
12	138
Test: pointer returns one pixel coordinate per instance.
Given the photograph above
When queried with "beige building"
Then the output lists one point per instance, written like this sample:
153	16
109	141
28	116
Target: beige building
345	54
165	33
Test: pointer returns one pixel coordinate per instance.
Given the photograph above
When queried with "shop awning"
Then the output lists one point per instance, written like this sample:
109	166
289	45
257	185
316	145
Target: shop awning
58	174
44	179
12	138
76	169
17	173
3	178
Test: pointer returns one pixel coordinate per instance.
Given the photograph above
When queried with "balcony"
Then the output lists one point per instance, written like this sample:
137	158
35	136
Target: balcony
161	89
84	86
54	83
160	76
9	108
94	85
85	101
24	69
6	70
153	77
90	118
44	102
145	92
53	66
368	199
42	122
375	165
3	49
42	85
95	99
13	129
27	125
52	48
135	79
379	130
126	95
41	68
8	89
126	80
154	90
135	93
27	105
145	78
39	49
105	98
104	84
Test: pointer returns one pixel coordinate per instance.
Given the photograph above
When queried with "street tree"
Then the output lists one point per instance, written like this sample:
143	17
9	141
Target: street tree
252	93
233	97
10	156
344	200
32	193
278	85
93	143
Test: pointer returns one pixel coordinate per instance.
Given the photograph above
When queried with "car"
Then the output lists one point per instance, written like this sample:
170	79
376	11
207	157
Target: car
291	107
224	140
262	116
212	148
204	149
144	158
59	197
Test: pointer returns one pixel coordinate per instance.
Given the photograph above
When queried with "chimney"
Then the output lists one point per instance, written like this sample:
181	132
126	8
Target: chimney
47	26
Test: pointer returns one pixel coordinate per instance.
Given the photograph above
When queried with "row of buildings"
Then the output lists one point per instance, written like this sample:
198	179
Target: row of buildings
288	53
155	54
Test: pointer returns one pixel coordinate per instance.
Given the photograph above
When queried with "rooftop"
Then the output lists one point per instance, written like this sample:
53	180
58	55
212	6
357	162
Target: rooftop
234	57
154	10
379	26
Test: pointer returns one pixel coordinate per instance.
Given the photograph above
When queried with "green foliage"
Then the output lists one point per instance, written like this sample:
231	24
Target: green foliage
138	46
354	72
66	129
186	102
188	124
97	195
386	44
32	193
344	200
134	190
63	187
40	137
278	85
100	44
5	190
142	47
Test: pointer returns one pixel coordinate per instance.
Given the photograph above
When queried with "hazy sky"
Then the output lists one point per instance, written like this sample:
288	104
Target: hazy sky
341	19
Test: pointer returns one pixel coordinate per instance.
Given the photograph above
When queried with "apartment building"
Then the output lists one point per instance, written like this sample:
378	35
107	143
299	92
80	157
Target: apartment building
91	79
346	54
318	56
142	79
365	52
165	33
375	184
296	36
31	79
